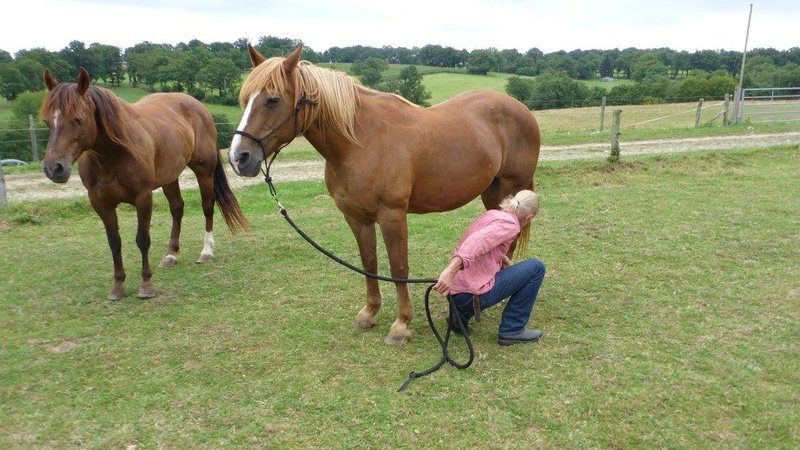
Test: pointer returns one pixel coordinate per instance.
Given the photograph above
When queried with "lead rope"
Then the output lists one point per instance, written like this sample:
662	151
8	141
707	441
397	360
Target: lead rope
444	343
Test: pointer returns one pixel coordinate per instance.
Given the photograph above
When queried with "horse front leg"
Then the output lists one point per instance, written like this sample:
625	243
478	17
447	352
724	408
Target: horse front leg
144	211
367	242
394	228
108	214
173	193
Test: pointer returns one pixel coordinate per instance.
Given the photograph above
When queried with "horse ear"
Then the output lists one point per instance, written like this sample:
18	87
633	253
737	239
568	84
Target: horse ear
83	81
49	80
292	60
255	57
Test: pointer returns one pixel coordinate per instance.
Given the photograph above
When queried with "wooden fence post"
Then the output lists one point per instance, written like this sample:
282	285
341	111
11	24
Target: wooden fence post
602	113
697	114
34	144
725	118
614	156
737	98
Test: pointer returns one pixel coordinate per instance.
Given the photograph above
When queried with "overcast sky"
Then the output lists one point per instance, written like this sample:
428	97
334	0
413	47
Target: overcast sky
550	25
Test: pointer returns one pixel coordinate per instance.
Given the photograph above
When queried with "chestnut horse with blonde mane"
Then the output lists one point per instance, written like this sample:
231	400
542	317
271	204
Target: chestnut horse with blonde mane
125	151
386	157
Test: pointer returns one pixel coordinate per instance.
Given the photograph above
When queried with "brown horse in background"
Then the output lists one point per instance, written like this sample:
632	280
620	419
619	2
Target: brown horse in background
125	151
386	157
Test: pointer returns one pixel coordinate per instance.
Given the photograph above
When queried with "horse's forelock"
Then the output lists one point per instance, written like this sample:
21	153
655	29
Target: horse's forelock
65	99
266	75
334	93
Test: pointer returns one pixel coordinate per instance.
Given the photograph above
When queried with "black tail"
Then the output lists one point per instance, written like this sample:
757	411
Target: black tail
228	204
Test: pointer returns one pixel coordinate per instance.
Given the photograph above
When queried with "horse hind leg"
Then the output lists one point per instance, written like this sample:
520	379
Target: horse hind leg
173	193
395	236
206	184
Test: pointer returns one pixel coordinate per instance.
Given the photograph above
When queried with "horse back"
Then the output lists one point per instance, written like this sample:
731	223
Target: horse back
180	130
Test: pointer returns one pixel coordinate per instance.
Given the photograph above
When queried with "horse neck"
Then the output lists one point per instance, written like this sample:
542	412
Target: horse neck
332	146
105	142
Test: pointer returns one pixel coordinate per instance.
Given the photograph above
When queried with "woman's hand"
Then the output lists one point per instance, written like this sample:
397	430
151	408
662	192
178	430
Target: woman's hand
445	280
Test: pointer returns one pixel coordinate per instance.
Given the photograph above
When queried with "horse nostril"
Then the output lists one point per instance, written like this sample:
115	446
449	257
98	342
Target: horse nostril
243	158
58	169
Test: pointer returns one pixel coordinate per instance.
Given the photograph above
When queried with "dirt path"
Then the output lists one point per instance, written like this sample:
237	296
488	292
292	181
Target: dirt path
36	186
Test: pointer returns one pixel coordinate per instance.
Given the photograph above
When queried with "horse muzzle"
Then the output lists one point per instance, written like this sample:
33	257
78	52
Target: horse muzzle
246	163
57	171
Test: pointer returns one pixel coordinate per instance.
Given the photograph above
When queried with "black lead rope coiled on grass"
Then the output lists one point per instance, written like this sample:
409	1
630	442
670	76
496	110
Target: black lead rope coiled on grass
443	342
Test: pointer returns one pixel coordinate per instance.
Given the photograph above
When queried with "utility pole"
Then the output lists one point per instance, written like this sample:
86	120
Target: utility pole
738	98
744	54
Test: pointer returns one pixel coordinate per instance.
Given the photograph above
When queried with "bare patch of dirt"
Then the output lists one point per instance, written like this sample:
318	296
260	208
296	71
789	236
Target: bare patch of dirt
28	186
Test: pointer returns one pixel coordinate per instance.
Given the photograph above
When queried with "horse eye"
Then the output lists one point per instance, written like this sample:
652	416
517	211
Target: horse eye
79	121
272	102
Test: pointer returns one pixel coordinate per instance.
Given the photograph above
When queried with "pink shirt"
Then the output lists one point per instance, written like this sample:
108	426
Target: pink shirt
482	248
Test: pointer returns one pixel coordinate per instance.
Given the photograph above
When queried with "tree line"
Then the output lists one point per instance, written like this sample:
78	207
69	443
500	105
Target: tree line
212	72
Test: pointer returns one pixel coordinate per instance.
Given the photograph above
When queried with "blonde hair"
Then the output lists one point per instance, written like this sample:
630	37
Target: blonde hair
522	203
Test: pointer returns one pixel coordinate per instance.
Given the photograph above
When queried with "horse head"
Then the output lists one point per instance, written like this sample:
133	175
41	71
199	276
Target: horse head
272	98
69	114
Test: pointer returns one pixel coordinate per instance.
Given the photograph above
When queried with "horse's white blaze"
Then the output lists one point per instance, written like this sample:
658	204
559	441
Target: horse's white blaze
208	244
55	118
237	138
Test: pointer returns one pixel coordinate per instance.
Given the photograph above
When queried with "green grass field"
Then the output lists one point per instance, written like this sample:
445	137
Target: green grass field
670	312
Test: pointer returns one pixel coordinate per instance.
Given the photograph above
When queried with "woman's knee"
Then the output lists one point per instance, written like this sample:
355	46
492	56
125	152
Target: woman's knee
537	268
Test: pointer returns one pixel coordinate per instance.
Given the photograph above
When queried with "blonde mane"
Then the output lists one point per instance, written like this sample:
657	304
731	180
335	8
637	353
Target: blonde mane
335	93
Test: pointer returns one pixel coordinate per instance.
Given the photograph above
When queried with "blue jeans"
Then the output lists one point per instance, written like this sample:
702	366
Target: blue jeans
520	283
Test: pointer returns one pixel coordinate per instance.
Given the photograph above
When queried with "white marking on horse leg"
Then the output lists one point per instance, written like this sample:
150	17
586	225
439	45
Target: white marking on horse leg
208	248
237	138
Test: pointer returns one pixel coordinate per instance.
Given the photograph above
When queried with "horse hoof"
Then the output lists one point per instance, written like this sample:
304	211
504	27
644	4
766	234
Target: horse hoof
146	291
169	261
204	258
396	339
115	296
363	325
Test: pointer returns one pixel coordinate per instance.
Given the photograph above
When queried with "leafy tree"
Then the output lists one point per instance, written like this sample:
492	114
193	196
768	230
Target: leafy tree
647	65
561	62
607	67
481	62
108	59
520	88
78	56
707	60
28	104
12	82
146	62
438	56
54	62
369	71
557	90
223	76
410	86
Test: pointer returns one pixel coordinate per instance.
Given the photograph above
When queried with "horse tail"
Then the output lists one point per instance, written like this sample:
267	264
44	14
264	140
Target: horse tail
227	202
